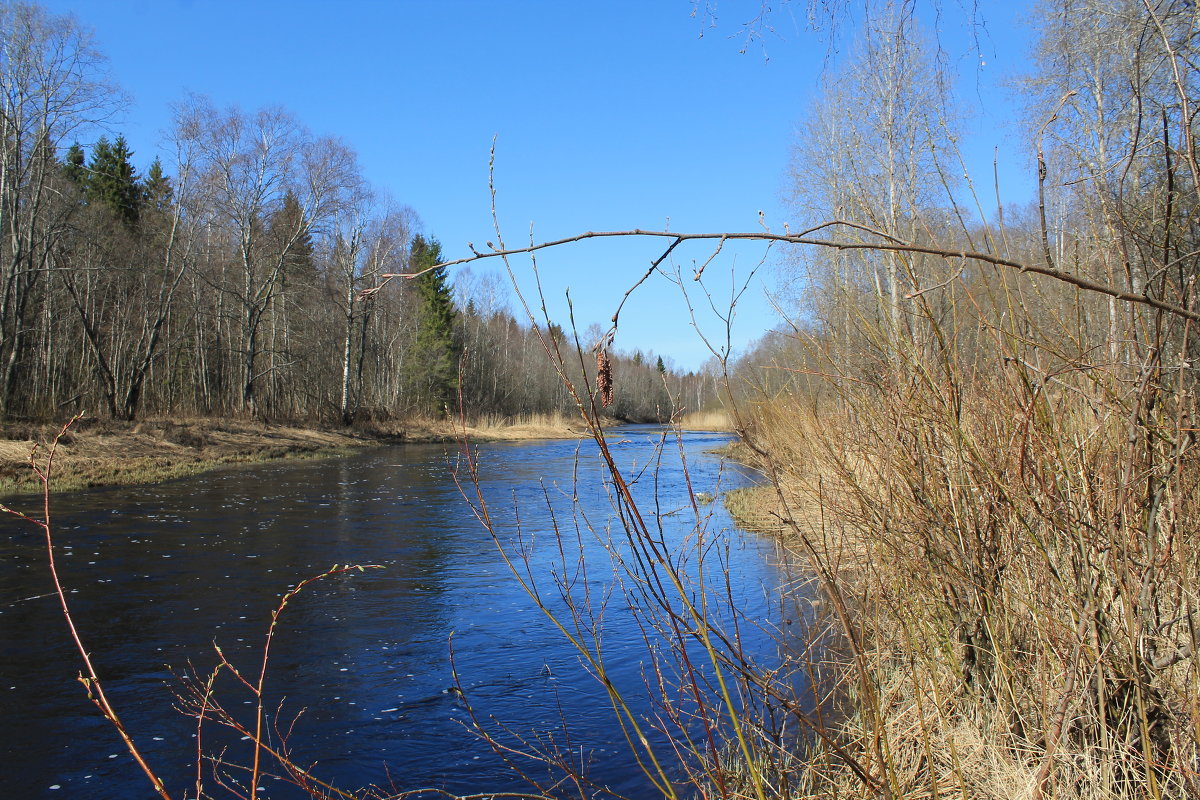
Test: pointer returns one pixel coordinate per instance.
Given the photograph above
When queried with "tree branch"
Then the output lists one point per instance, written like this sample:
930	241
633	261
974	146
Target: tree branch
892	246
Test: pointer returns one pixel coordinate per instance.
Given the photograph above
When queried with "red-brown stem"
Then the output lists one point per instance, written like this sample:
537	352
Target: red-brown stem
92	682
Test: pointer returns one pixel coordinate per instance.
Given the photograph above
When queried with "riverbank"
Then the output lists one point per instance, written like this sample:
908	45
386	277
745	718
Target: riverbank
717	421
108	453
973	663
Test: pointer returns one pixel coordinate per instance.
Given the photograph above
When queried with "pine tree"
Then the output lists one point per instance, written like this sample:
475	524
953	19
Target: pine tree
436	350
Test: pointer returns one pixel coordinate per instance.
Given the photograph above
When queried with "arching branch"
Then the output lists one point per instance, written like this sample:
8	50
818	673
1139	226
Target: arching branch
889	244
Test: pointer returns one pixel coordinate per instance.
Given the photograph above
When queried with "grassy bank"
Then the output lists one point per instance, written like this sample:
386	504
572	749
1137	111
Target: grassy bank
1014	575
104	453
706	421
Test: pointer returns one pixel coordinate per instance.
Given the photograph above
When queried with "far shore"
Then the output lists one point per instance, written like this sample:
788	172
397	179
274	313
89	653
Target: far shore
99	452
108	453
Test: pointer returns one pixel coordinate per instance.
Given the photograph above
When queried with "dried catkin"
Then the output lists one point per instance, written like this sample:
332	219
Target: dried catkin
604	381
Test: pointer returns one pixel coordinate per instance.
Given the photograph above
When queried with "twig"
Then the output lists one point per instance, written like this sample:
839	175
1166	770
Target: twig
91	681
941	285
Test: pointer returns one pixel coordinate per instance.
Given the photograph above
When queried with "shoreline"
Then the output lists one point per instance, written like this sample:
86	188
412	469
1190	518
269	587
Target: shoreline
94	453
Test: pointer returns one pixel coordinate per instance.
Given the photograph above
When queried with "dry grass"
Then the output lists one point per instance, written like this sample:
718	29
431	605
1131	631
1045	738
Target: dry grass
103	453
526	426
706	421
110	453
1017	576
483	429
757	509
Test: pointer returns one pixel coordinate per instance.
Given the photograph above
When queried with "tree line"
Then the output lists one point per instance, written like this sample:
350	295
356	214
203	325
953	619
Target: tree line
879	163
229	279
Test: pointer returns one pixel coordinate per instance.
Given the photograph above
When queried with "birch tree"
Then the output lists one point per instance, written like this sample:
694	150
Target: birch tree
53	87
250	163
872	154
365	243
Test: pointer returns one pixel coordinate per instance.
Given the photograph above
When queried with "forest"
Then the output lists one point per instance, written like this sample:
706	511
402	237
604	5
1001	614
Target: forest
230	280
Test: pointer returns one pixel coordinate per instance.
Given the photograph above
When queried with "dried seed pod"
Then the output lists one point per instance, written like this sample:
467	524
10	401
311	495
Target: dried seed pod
604	381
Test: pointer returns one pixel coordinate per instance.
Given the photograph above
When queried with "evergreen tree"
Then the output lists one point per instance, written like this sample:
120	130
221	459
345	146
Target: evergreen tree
436	350
289	230
111	180
157	192
73	165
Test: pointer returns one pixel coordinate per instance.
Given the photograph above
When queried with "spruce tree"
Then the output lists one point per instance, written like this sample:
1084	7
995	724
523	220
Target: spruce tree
111	180
73	165
157	192
436	350
289	230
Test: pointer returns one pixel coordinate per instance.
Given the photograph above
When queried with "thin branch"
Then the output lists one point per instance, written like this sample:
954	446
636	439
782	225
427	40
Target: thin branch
801	239
1041	160
653	266
941	285
91	680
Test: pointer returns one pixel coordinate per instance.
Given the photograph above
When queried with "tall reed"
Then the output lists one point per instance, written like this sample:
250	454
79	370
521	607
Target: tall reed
1005	529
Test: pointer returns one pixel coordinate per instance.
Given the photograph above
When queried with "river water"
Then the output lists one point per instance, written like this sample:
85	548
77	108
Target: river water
156	575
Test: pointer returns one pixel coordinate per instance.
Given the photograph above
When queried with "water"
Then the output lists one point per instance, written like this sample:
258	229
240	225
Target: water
158	574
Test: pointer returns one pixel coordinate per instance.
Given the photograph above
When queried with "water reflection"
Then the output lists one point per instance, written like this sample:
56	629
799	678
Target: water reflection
157	574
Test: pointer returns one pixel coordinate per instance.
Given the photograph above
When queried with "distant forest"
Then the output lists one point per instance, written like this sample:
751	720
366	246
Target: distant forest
227	280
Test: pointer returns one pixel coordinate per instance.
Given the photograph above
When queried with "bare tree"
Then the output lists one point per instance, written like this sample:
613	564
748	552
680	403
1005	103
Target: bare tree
251	164
872	154
364	243
53	85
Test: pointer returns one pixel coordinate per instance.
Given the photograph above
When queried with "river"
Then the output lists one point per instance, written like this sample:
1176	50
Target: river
157	574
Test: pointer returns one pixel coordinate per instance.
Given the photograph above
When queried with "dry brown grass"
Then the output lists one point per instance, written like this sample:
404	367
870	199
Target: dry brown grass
483	429
1017	575
102	453
111	453
526	426
706	421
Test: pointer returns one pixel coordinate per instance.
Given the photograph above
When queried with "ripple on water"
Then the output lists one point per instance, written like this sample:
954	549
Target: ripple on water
349	650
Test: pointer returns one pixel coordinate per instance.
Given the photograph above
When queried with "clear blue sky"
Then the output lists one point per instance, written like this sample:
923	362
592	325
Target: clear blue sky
607	115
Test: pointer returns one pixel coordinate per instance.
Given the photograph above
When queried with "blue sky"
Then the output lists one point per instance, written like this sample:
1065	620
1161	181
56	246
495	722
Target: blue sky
608	115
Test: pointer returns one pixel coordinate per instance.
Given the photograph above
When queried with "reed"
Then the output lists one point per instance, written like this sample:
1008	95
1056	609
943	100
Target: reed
1012	558
706	421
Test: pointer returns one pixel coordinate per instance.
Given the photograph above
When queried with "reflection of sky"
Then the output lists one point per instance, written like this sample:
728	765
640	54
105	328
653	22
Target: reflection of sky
207	558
